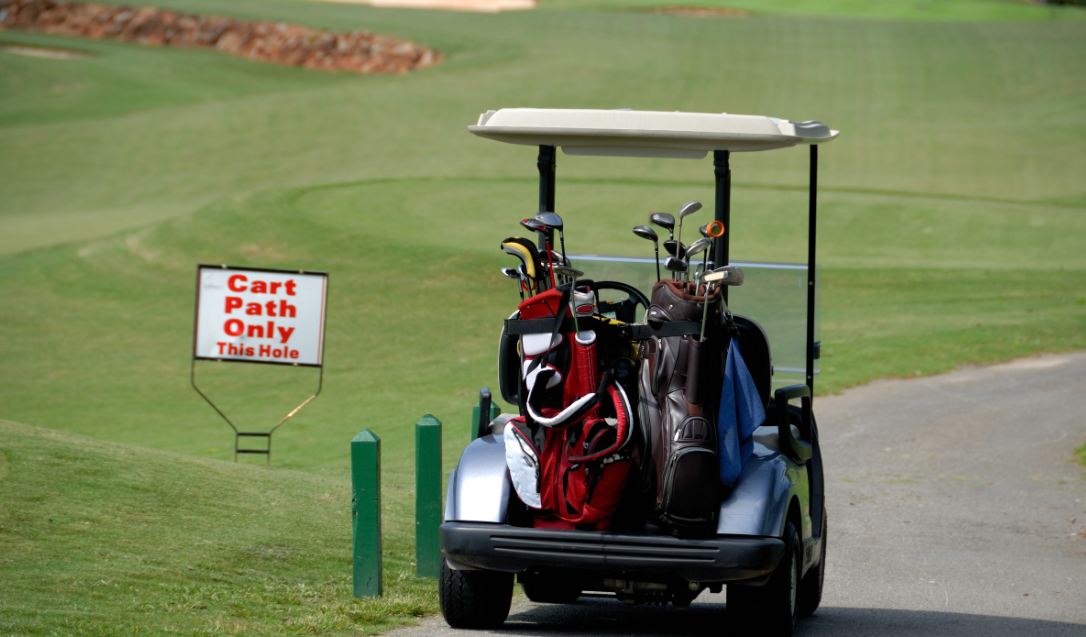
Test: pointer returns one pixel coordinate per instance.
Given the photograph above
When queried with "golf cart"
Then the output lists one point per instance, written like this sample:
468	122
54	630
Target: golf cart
769	545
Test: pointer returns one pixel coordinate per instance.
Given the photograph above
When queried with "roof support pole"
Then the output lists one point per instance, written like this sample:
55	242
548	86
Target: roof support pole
812	227
722	170
547	164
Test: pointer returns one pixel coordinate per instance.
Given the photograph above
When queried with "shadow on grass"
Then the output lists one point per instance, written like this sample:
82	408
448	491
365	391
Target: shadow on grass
608	617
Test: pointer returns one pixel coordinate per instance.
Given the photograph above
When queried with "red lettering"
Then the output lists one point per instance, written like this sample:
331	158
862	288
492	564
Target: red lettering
284	333
275	287
234	327
253	309
221	346
248	351
286	309
278	353
265	350
239	278
271	305
232	303
293	352
255	331
271	329
259	287
290	287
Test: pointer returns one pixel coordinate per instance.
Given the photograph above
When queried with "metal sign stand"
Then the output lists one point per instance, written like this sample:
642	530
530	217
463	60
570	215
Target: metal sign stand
238	435
243	357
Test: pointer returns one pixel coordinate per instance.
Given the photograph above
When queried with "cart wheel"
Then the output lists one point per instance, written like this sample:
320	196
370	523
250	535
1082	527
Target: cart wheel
474	599
772	607
810	587
544	589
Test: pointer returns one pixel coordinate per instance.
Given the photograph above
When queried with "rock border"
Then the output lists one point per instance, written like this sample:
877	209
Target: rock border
286	44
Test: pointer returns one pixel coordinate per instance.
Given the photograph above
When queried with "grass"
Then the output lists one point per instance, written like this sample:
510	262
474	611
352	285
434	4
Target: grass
958	10
147	542
951	225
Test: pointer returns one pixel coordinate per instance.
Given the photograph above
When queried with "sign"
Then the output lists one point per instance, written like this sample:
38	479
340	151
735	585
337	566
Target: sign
259	316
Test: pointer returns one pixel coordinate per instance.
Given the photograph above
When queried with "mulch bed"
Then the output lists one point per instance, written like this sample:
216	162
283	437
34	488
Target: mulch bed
286	44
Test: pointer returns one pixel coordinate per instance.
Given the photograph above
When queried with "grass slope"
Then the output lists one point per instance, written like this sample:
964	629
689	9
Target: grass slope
98	538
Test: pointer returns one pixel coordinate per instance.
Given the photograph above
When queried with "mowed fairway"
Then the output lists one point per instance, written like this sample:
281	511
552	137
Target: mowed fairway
953	222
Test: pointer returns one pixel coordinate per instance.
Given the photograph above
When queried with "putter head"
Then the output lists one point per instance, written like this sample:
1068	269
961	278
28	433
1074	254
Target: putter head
675	249
550	220
664	220
688	209
726	275
675	265
697	247
646	232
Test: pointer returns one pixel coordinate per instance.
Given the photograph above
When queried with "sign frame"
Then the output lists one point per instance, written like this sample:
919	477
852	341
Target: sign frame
238	435
196	314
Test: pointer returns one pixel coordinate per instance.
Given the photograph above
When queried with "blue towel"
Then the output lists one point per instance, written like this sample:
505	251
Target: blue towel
741	412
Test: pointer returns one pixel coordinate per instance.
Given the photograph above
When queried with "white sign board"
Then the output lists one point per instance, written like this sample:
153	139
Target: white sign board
259	316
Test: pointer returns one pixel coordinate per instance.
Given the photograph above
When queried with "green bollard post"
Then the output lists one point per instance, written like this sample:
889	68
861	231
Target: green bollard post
427	496
495	411
366	514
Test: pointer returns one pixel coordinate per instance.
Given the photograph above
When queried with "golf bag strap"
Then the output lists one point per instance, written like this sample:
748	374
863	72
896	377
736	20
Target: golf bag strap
645	331
633	332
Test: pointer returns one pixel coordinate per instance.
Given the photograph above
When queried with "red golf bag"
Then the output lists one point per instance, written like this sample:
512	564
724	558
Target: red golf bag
568	452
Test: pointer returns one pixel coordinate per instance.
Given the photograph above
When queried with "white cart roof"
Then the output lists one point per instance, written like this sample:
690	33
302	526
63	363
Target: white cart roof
627	133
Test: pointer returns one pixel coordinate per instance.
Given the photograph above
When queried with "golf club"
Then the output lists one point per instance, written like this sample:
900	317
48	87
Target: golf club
675	249
685	211
526	251
536	225
696	248
512	273
675	266
553	222
664	220
646	232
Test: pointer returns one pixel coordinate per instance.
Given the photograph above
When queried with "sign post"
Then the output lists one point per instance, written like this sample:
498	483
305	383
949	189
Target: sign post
255	315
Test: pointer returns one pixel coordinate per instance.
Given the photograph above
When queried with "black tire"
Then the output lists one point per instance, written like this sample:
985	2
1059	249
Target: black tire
474	599
810	587
772	607
548	589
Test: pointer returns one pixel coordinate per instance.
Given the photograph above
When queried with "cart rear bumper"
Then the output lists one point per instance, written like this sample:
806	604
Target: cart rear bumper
501	547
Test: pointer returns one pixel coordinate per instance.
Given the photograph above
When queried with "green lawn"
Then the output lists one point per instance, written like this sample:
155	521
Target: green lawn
952	219
144	542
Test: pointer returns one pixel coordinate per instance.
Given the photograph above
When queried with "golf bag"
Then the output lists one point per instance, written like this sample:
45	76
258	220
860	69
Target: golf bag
569	451
679	382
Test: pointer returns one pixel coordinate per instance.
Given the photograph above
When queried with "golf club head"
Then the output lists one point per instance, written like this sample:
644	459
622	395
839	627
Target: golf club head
569	273
725	275
511	273
646	232
688	209
550	220
704	230
534	225
697	247
675	265
664	220
675	249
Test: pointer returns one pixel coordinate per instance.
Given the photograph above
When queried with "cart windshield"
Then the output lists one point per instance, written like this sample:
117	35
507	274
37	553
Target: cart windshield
773	294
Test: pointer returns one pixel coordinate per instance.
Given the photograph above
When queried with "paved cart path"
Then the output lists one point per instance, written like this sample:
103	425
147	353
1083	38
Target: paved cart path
955	508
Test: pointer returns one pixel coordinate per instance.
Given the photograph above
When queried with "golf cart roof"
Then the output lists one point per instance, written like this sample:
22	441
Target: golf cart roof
628	133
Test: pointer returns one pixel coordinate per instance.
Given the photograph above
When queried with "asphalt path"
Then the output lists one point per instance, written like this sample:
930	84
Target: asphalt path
955	508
